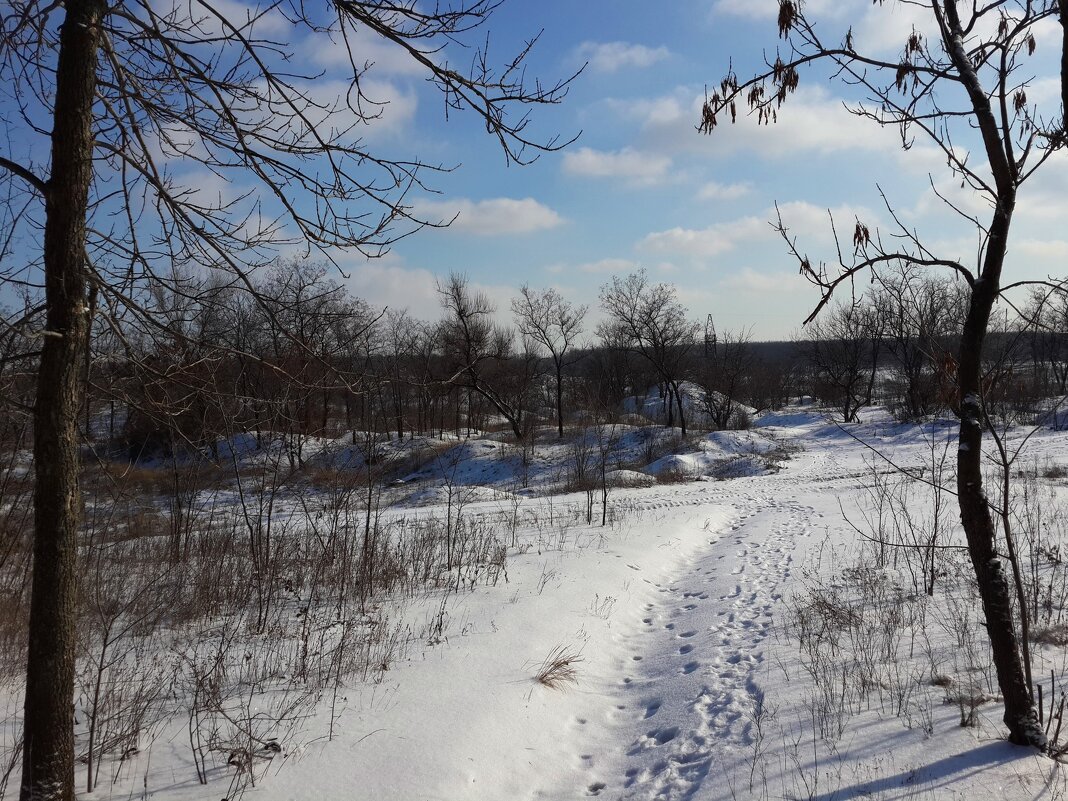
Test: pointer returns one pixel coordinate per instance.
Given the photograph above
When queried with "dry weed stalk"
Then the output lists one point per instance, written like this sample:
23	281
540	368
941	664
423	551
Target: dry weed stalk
559	668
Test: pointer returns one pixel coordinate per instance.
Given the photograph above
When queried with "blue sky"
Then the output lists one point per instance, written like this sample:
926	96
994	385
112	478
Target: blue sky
641	188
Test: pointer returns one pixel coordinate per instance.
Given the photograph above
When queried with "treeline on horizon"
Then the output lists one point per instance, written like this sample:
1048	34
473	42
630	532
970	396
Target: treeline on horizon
293	354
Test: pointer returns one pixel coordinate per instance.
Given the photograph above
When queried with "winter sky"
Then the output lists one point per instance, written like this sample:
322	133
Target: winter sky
641	188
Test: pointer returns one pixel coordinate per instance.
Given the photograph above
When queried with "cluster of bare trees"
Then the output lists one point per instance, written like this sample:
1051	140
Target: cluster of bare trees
299	357
898	348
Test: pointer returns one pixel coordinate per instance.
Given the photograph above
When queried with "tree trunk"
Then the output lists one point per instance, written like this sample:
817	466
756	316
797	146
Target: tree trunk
48	747
1020	716
682	414
559	400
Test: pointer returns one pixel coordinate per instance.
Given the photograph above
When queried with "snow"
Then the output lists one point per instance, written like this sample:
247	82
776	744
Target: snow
690	680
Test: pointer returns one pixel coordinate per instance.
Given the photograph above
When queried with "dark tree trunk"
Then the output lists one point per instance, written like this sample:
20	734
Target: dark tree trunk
1020	716
682	415
48	747
994	589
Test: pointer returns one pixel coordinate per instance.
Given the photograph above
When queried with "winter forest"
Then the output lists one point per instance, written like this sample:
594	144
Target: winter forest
464	400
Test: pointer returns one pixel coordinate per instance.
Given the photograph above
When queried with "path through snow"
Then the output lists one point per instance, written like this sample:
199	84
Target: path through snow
682	707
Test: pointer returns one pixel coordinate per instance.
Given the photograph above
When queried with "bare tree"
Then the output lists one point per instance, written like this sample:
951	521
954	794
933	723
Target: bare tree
837	348
401	333
553	323
1046	315
474	348
117	93
649	320
723	377
915	315
966	75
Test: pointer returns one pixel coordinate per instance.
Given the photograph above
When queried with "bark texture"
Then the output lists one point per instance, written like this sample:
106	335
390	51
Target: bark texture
48	756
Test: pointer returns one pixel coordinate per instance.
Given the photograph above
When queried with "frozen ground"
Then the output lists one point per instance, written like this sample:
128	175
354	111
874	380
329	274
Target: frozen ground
690	680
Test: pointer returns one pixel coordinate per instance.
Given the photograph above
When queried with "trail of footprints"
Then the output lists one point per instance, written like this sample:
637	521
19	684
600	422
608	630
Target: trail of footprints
715	620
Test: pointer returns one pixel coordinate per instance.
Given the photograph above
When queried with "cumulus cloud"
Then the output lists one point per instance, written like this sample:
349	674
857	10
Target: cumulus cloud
387	108
251	18
1050	250
631	165
614	56
493	217
364	47
879	29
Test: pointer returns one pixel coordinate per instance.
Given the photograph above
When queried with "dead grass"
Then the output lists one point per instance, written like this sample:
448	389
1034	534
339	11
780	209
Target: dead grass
138	480
558	669
1056	634
675	476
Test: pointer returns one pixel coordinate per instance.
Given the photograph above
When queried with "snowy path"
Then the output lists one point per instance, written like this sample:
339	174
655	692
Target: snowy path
680	710
688	694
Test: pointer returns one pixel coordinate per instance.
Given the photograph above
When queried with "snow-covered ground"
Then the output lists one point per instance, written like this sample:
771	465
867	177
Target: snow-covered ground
688	687
690	663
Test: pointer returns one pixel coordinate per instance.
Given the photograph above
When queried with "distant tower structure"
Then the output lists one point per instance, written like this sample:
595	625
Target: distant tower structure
710	338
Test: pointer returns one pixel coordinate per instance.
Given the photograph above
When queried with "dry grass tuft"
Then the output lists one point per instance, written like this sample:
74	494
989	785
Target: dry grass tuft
558	668
1055	634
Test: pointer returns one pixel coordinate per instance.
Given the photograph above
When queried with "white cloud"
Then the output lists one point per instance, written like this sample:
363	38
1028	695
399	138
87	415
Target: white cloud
1051	250
769	9
705	242
717	191
387	282
494	217
631	165
811	120
386	110
210	190
609	266
175	143
808	219
614	56
1043	198
360	48
879	29
811	225
884	29
254	20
